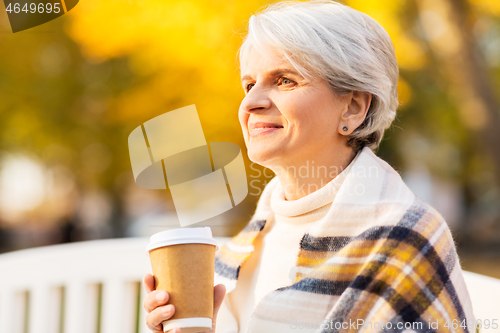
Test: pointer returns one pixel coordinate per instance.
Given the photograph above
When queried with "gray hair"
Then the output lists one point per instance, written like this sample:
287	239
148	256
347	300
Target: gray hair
346	48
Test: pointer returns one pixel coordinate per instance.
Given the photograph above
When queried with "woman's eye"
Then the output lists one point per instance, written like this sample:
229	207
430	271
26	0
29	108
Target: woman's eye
248	87
285	81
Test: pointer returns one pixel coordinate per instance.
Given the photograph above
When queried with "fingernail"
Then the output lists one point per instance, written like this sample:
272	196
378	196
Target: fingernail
160	296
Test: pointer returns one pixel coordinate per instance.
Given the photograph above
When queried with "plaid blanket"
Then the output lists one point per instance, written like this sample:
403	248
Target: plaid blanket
380	260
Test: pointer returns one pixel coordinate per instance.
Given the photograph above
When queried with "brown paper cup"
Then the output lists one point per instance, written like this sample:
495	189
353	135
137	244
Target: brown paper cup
183	265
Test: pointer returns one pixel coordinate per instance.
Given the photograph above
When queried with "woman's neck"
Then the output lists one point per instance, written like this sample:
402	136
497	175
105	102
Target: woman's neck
309	175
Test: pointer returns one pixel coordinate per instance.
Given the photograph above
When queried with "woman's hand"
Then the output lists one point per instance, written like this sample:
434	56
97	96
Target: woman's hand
158	309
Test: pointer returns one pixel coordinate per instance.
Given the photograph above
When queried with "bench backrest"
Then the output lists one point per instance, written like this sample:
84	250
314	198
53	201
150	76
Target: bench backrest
85	287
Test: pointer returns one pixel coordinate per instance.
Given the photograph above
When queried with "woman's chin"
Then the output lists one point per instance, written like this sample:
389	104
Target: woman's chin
259	156
255	158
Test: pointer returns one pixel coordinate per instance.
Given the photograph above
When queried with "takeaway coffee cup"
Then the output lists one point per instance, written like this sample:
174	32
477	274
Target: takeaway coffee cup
183	265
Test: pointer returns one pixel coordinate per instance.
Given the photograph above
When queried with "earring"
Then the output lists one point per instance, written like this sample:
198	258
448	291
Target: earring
345	128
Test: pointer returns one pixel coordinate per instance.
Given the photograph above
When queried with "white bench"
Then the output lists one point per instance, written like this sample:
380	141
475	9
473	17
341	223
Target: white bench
74	288
95	286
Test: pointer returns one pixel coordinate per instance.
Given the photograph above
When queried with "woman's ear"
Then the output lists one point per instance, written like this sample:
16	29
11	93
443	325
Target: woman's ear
358	104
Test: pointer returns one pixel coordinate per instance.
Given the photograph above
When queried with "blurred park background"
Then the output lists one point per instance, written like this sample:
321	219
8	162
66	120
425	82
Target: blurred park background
73	89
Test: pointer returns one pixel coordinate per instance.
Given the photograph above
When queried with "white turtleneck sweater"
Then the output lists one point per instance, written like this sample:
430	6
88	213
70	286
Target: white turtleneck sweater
272	263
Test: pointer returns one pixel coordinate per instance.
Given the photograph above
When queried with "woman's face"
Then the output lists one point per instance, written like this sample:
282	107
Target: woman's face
287	119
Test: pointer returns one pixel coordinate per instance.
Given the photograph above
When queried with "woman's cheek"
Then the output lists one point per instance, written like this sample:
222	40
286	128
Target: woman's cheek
244	125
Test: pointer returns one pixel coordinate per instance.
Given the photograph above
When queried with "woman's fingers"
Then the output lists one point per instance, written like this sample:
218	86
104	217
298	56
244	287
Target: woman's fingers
158	316
155	299
175	330
149	283
159	311
219	293
155	304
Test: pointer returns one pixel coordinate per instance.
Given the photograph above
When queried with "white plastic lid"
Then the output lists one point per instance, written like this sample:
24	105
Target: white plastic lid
181	236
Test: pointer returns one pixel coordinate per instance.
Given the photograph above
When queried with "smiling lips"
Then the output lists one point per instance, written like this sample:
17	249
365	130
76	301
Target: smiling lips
261	128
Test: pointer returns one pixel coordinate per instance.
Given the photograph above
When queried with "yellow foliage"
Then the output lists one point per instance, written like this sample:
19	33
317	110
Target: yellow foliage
186	48
487	6
384	12
409	52
404	92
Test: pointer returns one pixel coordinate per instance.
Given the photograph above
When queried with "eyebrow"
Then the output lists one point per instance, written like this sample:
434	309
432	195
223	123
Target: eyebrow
276	72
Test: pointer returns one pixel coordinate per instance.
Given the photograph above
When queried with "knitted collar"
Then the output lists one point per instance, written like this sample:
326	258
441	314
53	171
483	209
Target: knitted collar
232	255
317	199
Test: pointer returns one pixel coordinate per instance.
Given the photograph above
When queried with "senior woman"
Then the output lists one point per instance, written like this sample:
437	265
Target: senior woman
338	242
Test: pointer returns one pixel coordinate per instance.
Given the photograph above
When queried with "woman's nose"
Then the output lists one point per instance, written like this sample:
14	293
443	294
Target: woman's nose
257	99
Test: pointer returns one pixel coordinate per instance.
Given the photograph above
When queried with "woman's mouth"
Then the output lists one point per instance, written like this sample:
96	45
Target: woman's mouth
263	128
